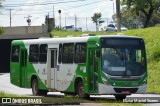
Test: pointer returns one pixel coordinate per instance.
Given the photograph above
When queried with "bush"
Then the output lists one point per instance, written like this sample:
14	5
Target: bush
1	30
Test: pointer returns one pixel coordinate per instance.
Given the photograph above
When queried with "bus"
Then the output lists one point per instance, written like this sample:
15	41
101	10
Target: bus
91	65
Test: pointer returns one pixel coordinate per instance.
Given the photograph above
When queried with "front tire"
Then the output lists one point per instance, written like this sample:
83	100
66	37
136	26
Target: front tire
120	97
36	91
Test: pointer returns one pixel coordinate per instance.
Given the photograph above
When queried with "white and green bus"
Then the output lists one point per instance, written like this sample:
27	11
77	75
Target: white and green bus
83	66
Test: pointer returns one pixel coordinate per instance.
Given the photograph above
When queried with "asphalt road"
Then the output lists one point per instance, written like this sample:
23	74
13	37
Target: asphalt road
6	86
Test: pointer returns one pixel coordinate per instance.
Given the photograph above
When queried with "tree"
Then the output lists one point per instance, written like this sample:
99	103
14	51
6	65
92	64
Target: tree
96	18
1	4
1	30
146	7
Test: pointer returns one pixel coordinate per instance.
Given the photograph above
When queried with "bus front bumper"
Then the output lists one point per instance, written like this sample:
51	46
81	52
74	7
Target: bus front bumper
108	89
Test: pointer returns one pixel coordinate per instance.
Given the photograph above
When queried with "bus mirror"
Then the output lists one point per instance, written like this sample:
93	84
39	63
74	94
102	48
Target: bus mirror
98	53
97	44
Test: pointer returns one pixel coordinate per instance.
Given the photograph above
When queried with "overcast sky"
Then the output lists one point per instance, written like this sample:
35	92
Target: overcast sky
83	9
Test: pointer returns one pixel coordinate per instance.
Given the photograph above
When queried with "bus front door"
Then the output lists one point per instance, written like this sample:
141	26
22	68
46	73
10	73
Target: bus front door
23	64
53	65
93	68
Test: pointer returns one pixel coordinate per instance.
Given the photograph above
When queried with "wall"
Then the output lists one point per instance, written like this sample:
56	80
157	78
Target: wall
24	30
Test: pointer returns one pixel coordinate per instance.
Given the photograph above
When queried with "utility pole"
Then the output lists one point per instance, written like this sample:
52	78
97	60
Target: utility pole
10	11
113	6
75	22
86	24
53	13
65	21
118	15
54	20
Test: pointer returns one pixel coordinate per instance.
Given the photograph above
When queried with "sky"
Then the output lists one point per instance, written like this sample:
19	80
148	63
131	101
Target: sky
82	9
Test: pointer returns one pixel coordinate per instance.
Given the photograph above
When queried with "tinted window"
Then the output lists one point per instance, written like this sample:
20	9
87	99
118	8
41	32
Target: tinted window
68	53
122	42
53	58
15	54
34	53
43	53
80	53
60	54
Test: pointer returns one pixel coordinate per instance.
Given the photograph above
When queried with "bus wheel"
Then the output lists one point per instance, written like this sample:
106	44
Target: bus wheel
120	97
43	92
35	88
80	91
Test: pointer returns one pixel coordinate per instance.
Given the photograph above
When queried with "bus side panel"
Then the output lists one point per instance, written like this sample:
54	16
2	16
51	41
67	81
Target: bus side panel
80	73
15	63
26	72
15	74
33	70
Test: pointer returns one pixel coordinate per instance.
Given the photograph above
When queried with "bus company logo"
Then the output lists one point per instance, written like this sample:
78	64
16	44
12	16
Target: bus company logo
6	100
21	100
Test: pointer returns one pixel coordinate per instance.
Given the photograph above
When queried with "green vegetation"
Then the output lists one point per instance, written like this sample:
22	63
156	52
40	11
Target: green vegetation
96	18
152	40
1	30
4	94
64	33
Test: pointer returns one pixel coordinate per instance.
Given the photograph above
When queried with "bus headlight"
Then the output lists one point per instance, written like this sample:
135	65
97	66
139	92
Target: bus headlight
144	82
105	81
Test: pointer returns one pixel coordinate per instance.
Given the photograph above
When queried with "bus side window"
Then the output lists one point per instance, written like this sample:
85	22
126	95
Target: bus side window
80	53
60	54
15	54
68	53
34	53
43	53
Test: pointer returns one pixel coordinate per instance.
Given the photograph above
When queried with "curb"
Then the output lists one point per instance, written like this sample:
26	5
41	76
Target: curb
158	93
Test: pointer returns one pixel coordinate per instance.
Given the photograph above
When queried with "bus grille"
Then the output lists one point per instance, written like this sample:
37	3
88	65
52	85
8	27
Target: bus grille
131	90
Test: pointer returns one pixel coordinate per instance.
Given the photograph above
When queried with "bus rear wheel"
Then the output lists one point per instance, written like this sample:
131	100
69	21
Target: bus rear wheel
35	88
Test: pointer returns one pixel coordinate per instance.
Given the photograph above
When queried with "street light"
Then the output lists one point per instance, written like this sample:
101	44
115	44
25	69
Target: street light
59	11
28	20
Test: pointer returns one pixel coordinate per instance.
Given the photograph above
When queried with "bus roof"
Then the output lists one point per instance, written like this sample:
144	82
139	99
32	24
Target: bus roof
69	39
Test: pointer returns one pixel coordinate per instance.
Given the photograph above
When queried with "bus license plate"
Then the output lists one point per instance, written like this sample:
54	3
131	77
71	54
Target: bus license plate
125	92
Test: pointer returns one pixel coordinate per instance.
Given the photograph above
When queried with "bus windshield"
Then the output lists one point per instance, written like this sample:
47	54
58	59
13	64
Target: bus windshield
123	60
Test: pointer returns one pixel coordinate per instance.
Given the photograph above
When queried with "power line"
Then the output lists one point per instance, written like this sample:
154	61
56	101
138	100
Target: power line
34	4
83	5
62	9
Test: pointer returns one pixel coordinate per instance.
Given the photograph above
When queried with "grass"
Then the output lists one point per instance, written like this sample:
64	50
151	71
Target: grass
152	42
70	100
64	33
5	94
